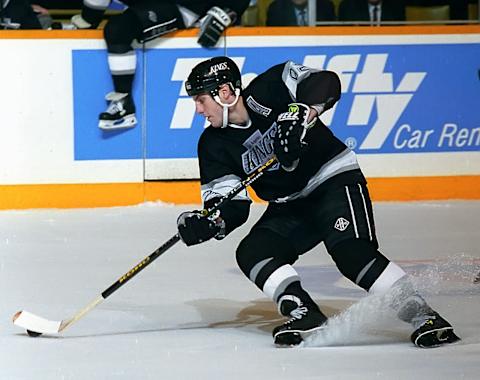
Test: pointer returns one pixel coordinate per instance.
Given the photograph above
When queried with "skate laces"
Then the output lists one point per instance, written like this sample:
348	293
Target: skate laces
117	103
424	320
115	106
297	314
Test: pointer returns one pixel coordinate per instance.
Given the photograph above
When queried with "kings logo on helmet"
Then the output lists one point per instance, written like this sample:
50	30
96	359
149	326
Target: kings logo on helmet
217	67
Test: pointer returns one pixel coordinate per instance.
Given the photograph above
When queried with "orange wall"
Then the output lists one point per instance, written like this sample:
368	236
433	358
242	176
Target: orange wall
188	192
183	192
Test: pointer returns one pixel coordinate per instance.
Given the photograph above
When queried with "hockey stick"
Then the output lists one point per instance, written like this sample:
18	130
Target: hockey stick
36	325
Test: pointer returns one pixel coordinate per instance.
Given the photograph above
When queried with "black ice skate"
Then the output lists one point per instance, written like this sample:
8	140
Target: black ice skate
120	112
433	332
304	321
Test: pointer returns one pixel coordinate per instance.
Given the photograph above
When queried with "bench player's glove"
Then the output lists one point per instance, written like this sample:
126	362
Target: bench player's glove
291	129
195	228
213	25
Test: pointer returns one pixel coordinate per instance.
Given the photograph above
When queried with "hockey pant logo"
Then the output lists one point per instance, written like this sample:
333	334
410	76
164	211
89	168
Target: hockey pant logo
341	224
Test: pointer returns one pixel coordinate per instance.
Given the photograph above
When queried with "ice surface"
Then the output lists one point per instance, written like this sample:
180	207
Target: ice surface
193	315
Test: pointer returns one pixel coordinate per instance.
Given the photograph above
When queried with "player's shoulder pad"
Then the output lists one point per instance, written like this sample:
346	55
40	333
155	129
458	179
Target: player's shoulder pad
295	71
293	74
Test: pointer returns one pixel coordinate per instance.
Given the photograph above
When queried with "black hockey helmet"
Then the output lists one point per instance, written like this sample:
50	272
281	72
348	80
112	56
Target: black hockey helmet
208	75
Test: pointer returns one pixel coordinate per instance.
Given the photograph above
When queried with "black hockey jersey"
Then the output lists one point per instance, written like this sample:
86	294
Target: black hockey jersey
229	155
93	9
18	12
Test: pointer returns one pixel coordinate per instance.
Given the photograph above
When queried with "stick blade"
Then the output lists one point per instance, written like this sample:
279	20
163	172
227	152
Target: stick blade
32	322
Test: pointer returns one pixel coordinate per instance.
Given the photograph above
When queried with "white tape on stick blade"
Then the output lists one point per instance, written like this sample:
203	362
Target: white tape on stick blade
35	323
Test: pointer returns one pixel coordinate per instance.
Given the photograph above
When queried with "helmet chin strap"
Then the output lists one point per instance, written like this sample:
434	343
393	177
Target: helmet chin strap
227	106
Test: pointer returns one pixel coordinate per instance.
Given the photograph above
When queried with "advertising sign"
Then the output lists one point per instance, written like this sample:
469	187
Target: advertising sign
396	98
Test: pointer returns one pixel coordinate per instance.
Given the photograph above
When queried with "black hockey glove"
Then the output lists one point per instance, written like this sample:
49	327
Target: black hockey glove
213	25
291	128
194	228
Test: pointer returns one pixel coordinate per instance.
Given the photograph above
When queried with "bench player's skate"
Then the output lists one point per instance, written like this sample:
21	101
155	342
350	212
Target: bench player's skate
433	331
304	321
120	112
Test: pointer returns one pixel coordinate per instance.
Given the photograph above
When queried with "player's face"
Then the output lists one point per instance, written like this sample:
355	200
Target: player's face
206	106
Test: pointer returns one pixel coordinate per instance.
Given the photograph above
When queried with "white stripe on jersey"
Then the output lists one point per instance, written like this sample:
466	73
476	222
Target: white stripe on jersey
342	162
221	186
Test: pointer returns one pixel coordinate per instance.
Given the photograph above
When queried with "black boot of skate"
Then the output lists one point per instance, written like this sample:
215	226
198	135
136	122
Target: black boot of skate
433	331
120	112
305	319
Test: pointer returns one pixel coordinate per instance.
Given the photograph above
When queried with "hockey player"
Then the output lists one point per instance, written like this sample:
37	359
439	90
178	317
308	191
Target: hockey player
145	20
18	14
316	193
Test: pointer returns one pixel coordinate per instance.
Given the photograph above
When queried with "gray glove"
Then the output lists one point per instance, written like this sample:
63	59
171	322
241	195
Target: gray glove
213	25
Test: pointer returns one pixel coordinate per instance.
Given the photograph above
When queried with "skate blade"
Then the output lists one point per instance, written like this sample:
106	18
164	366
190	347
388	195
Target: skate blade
436	338
290	339
126	122
294	338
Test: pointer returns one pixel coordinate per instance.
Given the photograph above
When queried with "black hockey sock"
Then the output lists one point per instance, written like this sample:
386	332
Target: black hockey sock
295	288
123	83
